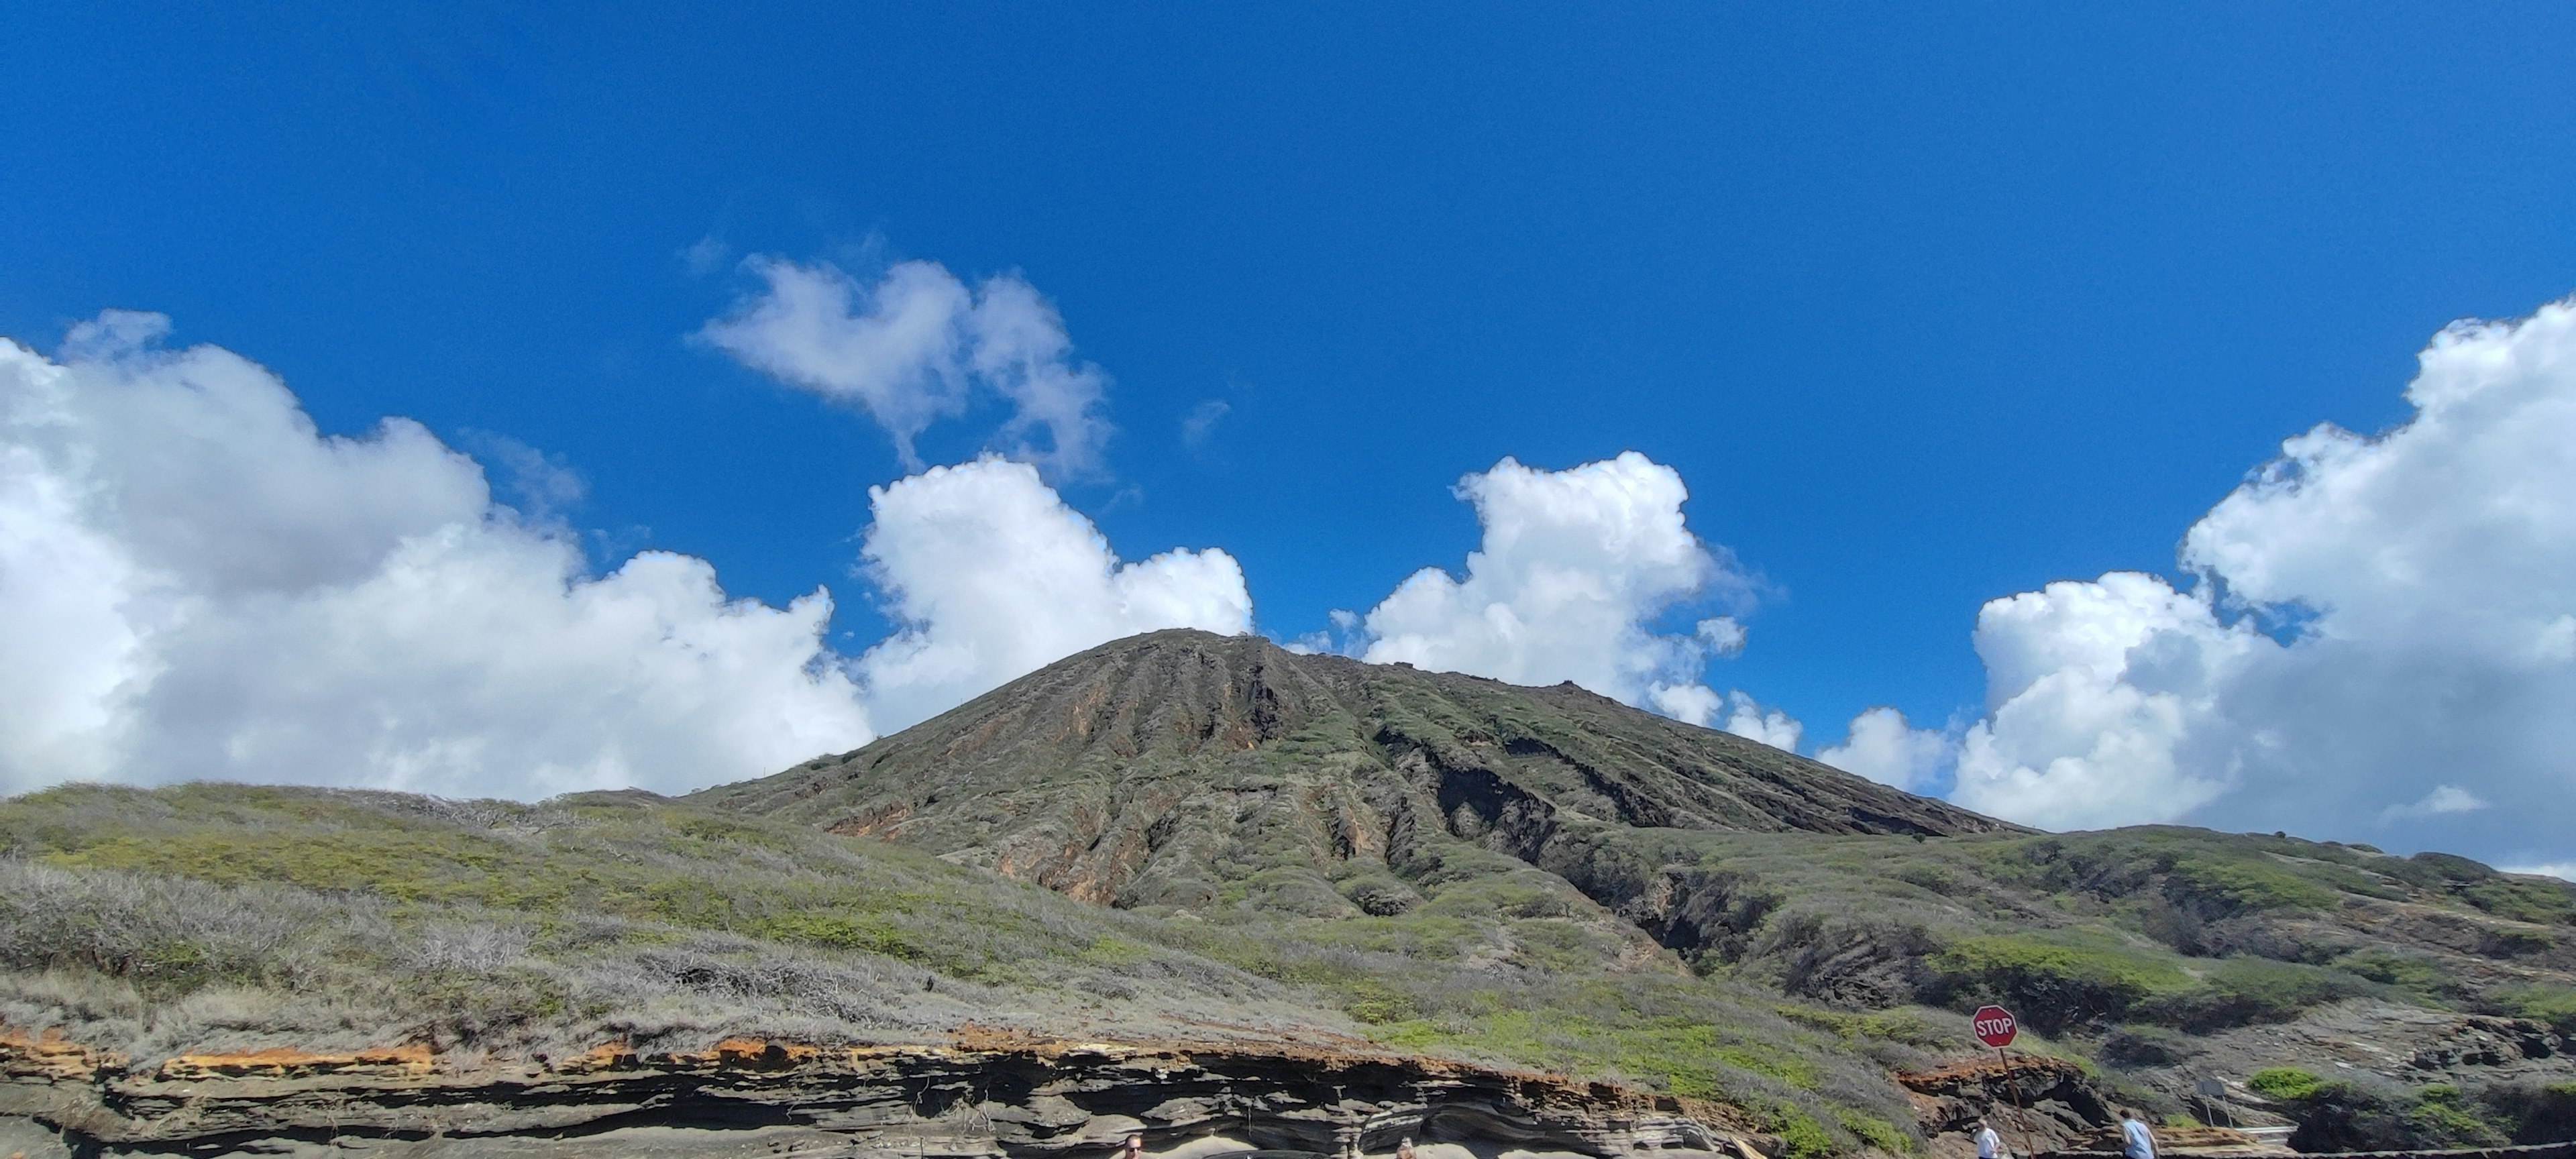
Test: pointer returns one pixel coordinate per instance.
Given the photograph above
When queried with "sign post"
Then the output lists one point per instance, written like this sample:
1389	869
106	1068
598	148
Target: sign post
1995	1026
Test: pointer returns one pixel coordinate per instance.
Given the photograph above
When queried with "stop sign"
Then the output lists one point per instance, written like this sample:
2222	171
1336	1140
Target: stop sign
1994	1026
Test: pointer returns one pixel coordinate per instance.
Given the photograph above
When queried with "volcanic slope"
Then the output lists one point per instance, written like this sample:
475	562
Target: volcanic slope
1572	848
1179	770
1302	859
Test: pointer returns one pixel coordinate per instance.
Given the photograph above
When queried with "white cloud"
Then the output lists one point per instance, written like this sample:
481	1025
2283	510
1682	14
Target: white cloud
2430	575
2444	799
1689	703
195	583
1750	720
2073	740
1883	748
1722	635
2559	869
993	577
913	349
1574	567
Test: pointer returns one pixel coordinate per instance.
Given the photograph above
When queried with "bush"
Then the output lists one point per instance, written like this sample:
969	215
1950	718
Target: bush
2344	1116
2418	975
2438	869
2236	885
2285	1083
2242	991
2555	1005
1801	1136
2439	1117
1877	1132
2538	902
2050	985
2534	1112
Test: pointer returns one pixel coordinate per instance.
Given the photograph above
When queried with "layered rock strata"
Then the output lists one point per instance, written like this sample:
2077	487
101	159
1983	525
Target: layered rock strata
984	1095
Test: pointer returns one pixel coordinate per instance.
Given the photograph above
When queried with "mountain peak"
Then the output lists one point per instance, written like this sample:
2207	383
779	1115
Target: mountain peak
1170	769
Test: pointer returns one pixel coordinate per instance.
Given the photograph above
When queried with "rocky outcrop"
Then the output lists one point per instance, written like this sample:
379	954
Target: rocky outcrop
986	1094
2038	1104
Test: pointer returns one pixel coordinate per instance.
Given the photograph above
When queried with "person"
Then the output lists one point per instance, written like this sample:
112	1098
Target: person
2136	1141
1989	1144
1134	1148
1404	1150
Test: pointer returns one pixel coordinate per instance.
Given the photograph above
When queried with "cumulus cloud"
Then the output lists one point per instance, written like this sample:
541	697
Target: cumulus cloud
195	583
992	576
1575	567
2381	635
1752	721
2072	740
1883	748
916	347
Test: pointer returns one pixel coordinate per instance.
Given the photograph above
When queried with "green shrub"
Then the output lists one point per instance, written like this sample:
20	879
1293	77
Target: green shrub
1876	1132
1904	1024
2286	1083
1770	1061
2555	1005
2242	991
2533	1112
1801	1136
2508	943
1375	1003
2051	985
2538	902
2436	869
840	933
2249	883
2416	974
2343	1116
2439	1117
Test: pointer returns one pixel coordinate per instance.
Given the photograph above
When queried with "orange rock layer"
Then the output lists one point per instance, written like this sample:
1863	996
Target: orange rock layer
278	1062
48	1054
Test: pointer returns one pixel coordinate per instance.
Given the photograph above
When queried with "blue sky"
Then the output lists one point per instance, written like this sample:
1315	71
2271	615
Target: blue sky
1927	307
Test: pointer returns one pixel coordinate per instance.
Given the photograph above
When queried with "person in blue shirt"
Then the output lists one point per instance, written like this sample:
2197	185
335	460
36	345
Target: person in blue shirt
2136	1141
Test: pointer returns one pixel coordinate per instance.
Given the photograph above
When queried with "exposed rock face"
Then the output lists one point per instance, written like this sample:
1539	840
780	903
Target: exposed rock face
1159	770
988	1095
2038	1104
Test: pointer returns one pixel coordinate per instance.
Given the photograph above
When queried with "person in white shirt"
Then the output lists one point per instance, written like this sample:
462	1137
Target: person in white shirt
1989	1144
2136	1141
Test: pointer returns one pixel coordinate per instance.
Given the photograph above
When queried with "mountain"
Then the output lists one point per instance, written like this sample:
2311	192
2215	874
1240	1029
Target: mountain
1226	895
1177	770
1187	775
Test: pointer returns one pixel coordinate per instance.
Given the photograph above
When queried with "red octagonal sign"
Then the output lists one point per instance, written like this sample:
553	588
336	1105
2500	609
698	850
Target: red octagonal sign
1994	1026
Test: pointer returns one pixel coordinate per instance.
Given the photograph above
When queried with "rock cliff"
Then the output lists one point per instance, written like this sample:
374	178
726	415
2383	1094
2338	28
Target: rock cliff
987	1094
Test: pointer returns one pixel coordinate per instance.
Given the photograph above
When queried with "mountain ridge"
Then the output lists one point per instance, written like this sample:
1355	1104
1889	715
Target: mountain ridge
1108	774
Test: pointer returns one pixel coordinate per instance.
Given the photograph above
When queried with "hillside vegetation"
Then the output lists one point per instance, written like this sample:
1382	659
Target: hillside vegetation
1185	838
235	917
